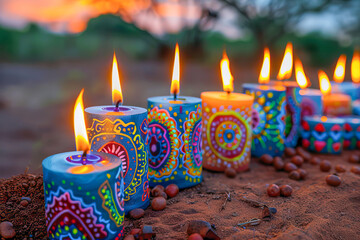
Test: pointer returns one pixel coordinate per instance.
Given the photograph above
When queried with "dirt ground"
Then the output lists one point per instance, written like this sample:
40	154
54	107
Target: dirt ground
314	211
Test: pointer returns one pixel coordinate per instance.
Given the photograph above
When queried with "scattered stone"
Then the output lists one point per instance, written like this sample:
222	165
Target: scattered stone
315	160
304	154
135	231
164	195
7	230
273	190
289	167
297	160
354	158
355	169
289	152
24	203
278	163
295	175
273	210
340	168
158	203
325	166
230	172
195	236
286	190
137	213
266	159
156	191
333	180
303	173
172	190
203	228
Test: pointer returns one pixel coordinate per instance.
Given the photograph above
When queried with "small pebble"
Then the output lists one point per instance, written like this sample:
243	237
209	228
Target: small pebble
137	213
289	152
333	180
195	236
303	173
355	169
158	203
297	160
315	160
290	167
24	203
354	158
304	154
230	172
325	165
172	190
135	231
273	190
7	230
266	159
340	168
278	163
32	183
156	191
164	195
286	190
129	237
295	175
273	210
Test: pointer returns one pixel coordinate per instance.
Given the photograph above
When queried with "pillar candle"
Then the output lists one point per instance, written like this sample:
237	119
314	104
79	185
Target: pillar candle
122	131
323	134
337	104
356	107
227	130
352	132
83	196
268	116
293	111
174	141
348	88
311	102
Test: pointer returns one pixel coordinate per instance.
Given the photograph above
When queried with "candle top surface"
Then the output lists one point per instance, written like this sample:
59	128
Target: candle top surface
325	119
72	162
230	97
179	99
337	97
112	110
310	91
351	119
264	87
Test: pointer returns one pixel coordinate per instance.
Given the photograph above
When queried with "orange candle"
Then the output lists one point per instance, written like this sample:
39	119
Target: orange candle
335	104
226	128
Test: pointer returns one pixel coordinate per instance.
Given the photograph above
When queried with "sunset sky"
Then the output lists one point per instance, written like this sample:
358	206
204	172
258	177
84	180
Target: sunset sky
169	16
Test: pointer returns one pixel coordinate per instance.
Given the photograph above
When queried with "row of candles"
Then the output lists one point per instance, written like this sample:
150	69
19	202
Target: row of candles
123	150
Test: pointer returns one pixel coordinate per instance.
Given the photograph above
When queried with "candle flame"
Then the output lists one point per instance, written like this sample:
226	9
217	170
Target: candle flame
339	73
226	75
300	76
175	82
287	63
355	67
265	69
116	87
81	137
324	83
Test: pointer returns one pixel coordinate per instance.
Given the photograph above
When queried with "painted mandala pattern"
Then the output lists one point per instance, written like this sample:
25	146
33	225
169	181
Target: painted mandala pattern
163	142
192	144
293	116
68	217
228	135
122	140
268	123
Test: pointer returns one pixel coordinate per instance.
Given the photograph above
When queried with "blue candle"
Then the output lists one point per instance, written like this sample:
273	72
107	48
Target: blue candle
352	132
122	131
174	141
323	134
84	191
268	121
311	103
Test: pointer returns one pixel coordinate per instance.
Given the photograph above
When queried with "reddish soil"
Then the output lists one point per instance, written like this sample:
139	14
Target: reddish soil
314	211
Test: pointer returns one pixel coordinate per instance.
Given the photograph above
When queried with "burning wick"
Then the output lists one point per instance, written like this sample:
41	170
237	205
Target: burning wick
83	157
117	105
175	96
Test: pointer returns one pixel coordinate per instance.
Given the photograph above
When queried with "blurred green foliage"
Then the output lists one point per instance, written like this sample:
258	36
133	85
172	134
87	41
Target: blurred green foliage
109	32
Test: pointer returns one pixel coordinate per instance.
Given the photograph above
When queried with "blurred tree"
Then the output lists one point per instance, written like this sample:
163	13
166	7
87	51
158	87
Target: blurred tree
269	20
